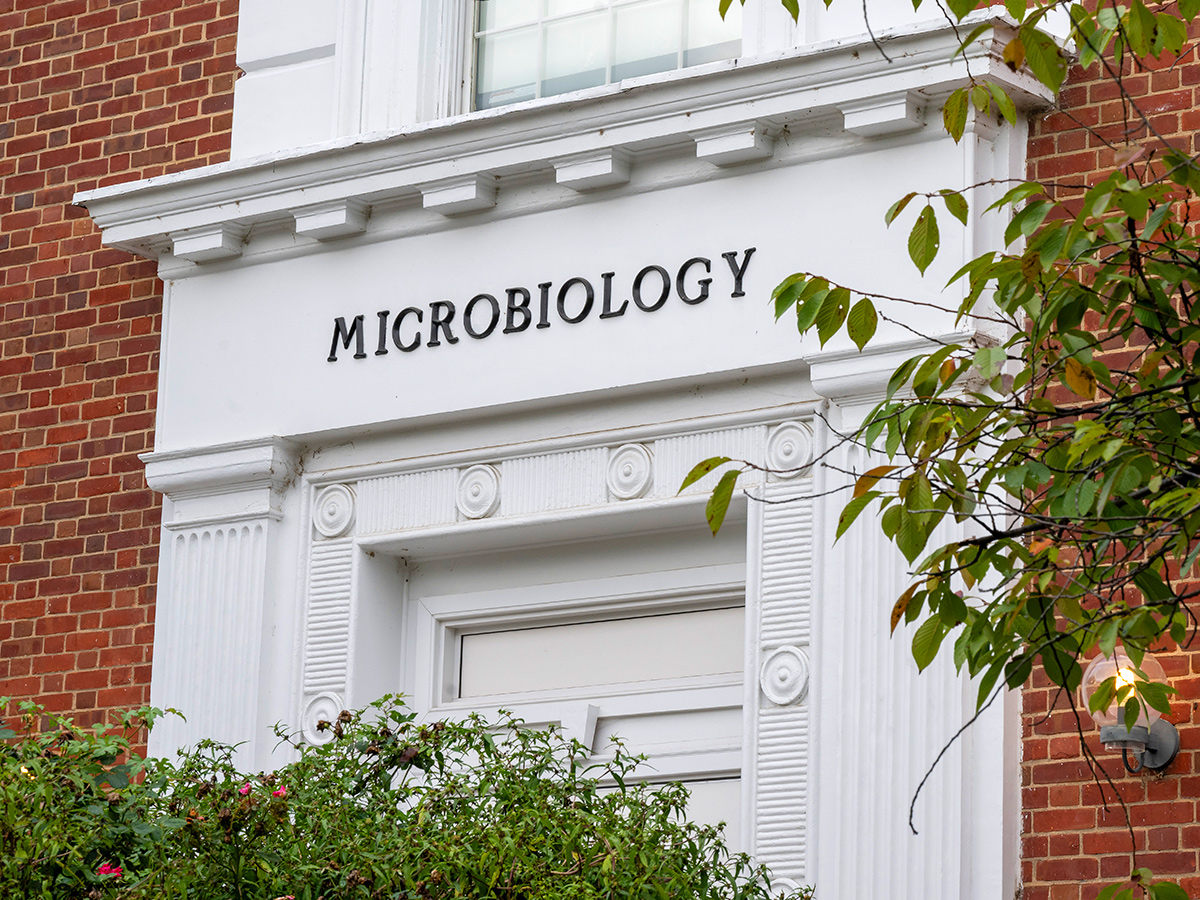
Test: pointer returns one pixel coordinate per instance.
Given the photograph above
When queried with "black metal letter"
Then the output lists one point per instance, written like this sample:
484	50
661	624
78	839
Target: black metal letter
416	341
703	282
739	272
344	334
383	317
662	297
441	314
514	307
589	296
608	312
492	323
544	318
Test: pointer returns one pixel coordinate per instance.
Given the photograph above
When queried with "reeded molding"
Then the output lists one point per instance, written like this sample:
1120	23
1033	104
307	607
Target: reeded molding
729	111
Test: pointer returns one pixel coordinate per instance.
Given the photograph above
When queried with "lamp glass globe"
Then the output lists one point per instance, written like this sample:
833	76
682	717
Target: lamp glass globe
1119	664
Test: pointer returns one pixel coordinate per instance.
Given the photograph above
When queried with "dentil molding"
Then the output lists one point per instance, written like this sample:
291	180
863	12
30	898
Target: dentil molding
727	115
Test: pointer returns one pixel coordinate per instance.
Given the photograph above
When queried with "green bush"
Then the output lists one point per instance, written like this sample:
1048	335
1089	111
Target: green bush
72	803
386	809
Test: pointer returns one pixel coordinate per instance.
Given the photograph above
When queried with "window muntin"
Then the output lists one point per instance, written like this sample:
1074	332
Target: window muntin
526	49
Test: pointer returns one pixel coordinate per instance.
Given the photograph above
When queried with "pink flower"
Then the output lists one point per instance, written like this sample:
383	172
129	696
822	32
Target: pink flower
244	789
280	791
106	869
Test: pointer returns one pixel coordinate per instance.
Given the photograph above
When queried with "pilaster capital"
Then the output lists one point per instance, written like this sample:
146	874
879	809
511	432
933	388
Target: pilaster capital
254	474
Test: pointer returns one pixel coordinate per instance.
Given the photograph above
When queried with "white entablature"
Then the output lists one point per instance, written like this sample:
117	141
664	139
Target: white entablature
419	516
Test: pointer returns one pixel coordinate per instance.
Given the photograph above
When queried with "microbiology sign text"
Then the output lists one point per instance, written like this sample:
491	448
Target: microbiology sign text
519	308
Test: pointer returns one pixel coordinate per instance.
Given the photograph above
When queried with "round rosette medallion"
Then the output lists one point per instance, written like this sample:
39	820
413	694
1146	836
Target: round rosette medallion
333	511
630	471
784	676
478	492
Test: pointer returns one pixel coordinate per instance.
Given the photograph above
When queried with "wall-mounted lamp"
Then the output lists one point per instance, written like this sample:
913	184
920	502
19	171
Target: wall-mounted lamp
1152	741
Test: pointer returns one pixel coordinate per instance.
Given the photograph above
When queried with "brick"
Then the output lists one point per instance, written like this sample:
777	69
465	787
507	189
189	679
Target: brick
85	91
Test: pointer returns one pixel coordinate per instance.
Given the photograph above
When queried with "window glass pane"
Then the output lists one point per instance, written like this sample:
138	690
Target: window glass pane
647	38
593	654
564	7
506	13
587	43
506	71
709	37
576	53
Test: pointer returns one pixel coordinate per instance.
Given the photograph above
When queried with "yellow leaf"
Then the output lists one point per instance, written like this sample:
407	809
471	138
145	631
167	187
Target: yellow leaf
1014	54
868	480
948	369
902	605
1079	378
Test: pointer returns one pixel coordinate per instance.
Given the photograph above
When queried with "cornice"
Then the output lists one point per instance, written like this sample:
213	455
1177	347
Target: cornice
270	463
725	114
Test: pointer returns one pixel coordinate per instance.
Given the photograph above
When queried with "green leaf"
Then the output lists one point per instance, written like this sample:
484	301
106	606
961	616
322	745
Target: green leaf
911	535
988	681
851	511
898	207
833	312
718	503
787	292
972	37
809	308
926	641
861	324
924	240
701	469
956	203
1132	710
1004	103
961	8
724	7
1167	890
792	6
1044	58
1015	8
954	114
989	361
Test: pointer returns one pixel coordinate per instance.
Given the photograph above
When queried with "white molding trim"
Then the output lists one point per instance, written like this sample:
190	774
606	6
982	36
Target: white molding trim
411	510
268	462
657	113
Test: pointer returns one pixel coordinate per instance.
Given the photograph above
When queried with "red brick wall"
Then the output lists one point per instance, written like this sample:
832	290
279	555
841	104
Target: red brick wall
1069	837
91	93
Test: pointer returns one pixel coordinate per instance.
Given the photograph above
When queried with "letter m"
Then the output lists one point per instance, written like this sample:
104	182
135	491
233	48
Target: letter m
345	335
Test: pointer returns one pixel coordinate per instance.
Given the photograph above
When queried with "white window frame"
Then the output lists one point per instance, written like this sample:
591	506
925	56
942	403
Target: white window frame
437	623
542	22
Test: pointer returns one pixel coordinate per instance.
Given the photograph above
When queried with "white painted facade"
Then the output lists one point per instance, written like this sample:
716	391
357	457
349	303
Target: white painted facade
456	520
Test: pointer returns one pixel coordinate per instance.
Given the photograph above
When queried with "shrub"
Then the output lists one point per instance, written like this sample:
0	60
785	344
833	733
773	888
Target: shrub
389	809
71	805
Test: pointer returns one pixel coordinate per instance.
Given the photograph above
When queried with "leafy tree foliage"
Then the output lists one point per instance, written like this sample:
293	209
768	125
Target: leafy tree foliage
1065	439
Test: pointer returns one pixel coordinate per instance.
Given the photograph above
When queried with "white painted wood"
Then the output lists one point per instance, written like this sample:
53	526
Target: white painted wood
459	195
659	113
328	221
222	241
421	499
592	171
731	145
887	114
603	652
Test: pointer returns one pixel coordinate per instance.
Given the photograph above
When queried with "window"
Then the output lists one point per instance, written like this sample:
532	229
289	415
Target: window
537	48
640	637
